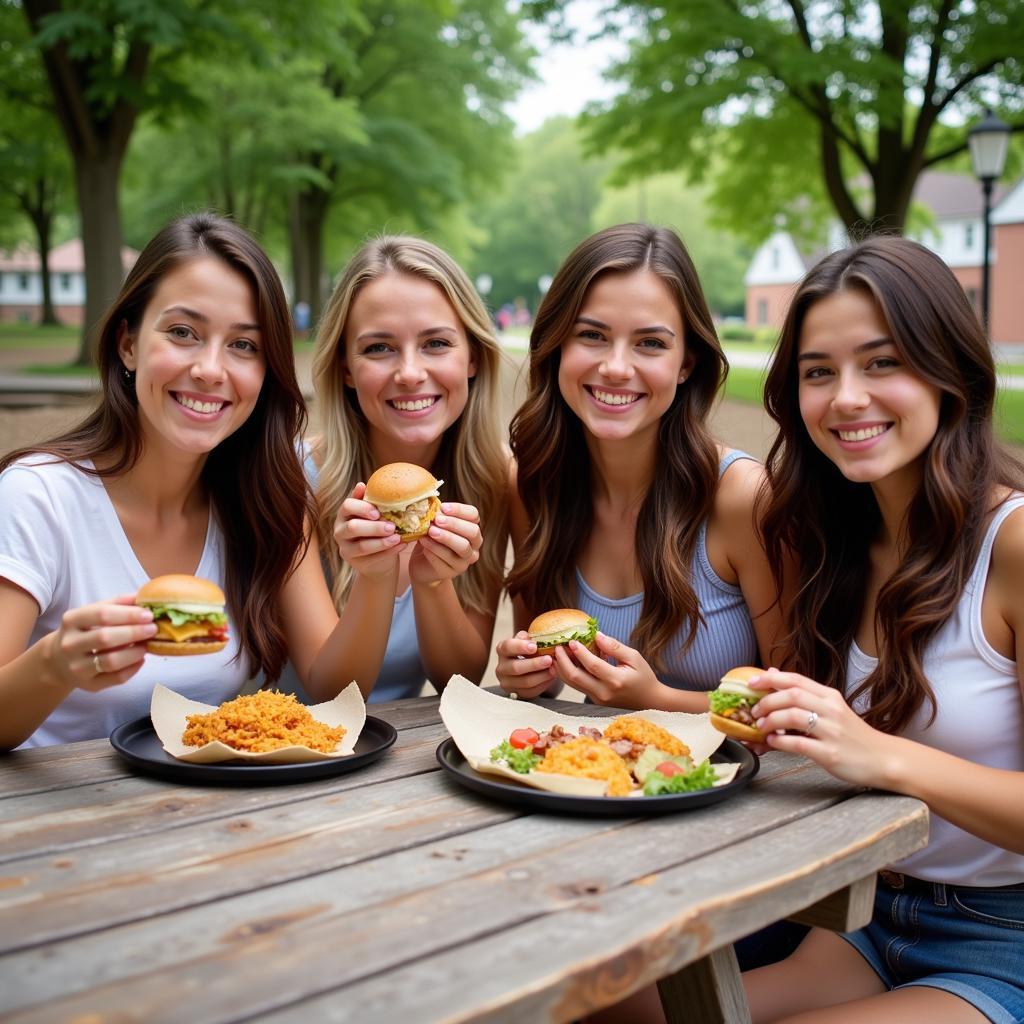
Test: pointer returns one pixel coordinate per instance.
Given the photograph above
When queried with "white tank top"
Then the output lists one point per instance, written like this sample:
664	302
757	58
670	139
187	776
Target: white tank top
979	717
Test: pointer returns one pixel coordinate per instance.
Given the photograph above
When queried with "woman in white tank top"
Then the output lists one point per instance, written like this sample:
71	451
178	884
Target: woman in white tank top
906	521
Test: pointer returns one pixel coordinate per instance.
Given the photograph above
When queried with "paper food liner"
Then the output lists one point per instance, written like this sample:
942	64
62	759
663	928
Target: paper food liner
479	721
169	712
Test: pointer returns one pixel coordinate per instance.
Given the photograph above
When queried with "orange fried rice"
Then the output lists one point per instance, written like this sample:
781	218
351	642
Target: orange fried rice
589	759
262	721
639	730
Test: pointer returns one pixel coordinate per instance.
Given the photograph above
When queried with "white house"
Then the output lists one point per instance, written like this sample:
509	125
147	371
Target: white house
21	283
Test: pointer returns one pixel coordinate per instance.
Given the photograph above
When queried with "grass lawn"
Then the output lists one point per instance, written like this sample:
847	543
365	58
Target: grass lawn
60	370
746	385
34	336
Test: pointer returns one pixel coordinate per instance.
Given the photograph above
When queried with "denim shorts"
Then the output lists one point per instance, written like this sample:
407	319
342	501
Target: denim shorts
964	939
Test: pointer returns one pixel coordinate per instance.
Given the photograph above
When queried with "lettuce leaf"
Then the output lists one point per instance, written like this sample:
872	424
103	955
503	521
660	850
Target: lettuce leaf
719	701
522	761
179	618
702	777
584	634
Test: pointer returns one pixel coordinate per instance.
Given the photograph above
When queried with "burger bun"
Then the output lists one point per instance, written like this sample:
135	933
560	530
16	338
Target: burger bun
171	649
399	484
180	589
736	729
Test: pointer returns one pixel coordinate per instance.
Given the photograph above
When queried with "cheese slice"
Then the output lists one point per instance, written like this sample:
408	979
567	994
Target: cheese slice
166	630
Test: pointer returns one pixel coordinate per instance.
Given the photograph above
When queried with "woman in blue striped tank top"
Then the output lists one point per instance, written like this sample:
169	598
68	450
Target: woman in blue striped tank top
625	505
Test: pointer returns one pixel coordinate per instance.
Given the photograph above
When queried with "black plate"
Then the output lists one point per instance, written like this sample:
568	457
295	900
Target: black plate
451	760
140	746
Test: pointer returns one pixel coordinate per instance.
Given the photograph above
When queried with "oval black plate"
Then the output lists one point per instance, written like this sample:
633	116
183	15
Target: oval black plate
140	746
451	760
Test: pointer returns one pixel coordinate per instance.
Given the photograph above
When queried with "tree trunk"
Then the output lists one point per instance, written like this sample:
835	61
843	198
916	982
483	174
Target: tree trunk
38	207
97	180
307	213
43	224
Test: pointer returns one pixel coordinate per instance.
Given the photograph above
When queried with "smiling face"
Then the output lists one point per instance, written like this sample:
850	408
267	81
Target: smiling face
409	360
197	356
624	357
862	405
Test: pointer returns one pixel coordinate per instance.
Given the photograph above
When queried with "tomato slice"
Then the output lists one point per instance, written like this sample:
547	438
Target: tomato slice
523	738
669	768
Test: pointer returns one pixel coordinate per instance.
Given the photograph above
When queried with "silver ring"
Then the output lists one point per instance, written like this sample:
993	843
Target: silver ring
96	663
812	721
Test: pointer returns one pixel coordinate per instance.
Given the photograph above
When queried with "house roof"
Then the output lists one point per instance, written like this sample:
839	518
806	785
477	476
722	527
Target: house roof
950	195
66	258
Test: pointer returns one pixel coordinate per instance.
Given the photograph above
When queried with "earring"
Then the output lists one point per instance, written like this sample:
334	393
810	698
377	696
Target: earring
128	377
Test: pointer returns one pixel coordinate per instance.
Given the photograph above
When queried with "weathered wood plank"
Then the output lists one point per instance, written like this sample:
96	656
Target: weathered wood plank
51	769
708	991
48	823
844	911
239	853
38	974
607	946
272	968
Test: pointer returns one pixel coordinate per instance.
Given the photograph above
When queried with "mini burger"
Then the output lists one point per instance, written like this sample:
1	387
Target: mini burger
730	705
556	628
188	613
406	495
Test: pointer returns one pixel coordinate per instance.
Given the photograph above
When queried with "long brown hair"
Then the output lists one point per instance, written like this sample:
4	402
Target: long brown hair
554	469
254	477
828	522
471	460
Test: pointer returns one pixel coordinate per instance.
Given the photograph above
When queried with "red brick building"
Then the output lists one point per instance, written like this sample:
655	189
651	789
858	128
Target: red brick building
954	202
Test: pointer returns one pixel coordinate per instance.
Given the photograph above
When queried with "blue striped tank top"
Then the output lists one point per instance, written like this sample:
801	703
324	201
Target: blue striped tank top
725	638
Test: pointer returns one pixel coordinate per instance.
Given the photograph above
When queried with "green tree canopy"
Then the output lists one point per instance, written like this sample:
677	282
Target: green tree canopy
815	94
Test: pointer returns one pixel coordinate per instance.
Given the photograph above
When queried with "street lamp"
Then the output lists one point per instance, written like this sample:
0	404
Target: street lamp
988	142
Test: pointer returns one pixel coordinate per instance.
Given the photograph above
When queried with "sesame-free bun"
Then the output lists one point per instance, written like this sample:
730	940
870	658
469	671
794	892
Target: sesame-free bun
170	649
180	589
736	729
743	674
399	484
557	620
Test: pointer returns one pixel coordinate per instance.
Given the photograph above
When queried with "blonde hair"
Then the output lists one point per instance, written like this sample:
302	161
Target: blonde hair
472	460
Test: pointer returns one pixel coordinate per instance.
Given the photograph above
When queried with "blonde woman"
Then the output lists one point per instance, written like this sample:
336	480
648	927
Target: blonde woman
406	369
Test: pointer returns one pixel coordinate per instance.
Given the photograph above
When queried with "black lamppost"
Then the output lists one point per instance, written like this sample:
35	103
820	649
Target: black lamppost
988	141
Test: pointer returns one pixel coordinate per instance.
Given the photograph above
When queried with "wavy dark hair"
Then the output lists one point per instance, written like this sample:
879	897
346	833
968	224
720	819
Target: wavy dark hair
254	477
828	522
554	464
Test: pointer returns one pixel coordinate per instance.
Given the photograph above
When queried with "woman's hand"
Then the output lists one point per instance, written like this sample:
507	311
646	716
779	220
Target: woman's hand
820	725
451	545
629	684
368	543
520	670
99	645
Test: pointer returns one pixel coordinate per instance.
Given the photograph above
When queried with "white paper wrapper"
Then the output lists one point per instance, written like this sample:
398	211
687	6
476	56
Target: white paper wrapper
479	721
169	712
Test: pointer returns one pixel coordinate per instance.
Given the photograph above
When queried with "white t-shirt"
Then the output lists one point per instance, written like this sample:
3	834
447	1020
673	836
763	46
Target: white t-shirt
61	540
979	717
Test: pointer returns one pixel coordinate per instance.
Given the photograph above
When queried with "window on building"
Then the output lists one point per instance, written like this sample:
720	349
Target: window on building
65	282
776	257
968	236
762	311
23	282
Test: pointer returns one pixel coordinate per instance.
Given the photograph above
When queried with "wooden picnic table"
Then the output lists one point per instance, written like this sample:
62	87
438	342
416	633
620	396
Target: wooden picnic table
394	894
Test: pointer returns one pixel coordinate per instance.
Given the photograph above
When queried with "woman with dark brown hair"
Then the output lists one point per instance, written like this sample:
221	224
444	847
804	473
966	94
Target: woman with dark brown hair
187	465
627	507
907	525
